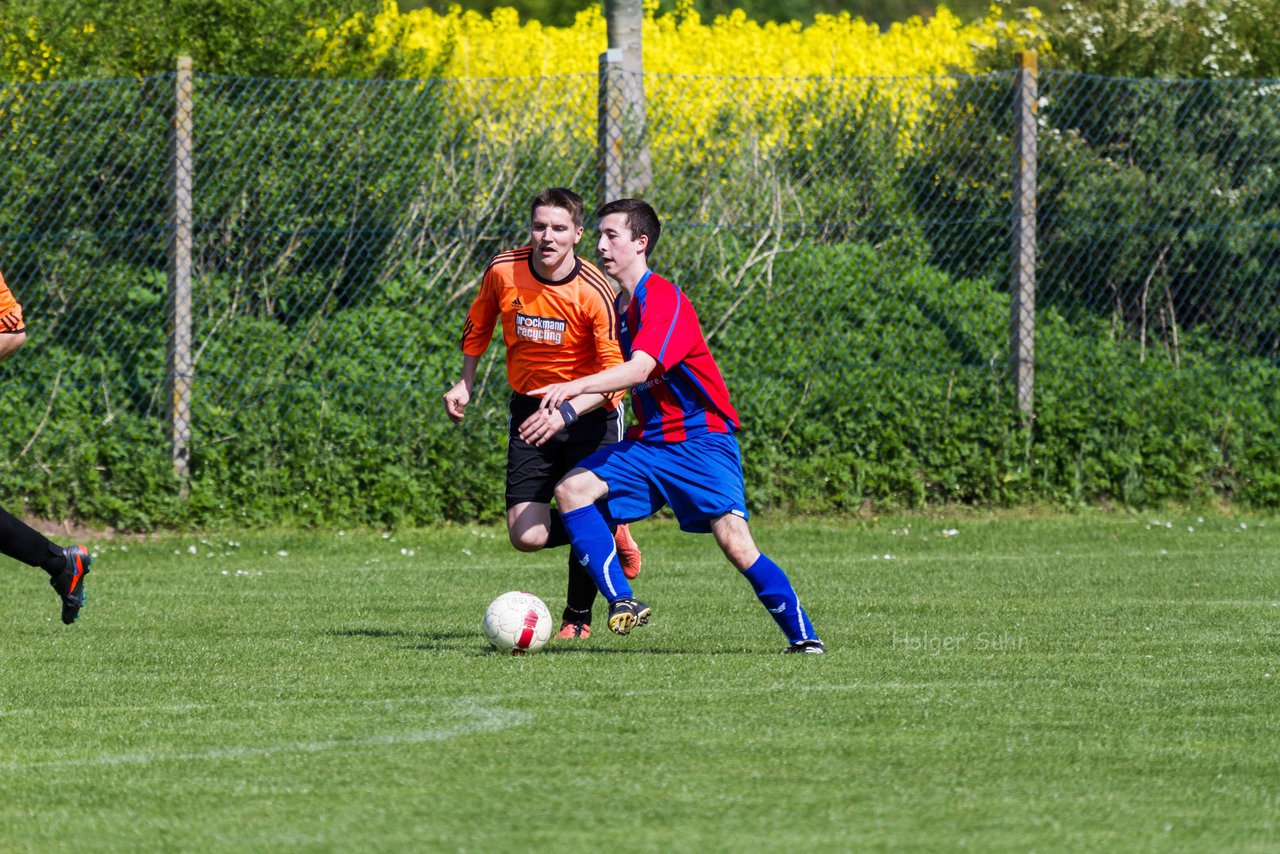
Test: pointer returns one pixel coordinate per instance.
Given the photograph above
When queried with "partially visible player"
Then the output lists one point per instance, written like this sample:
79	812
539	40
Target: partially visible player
556	312
67	566
681	450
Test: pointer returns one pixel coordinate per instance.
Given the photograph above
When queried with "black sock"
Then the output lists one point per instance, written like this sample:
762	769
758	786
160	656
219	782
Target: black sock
582	592
54	560
569	615
21	542
556	533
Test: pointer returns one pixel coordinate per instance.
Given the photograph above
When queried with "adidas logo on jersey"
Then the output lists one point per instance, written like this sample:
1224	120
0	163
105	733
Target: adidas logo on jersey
516	304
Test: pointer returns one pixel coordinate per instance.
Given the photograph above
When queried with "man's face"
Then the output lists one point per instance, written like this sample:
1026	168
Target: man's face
618	250
553	236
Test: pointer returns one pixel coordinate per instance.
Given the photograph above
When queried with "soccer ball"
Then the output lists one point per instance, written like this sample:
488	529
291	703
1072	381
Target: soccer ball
517	623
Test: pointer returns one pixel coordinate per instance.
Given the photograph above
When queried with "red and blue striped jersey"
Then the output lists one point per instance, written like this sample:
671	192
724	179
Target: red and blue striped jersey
685	396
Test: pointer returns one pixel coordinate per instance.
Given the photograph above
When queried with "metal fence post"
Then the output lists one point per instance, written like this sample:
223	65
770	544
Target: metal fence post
623	154
609	128
180	237
1023	286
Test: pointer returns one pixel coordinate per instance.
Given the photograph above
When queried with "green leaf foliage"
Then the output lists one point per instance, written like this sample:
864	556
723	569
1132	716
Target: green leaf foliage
135	38
1168	38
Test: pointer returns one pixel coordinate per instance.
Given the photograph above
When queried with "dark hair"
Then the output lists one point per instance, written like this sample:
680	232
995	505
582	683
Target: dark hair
641	219
559	197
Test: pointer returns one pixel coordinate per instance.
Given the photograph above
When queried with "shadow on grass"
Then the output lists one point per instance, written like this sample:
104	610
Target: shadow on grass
644	650
401	633
466	642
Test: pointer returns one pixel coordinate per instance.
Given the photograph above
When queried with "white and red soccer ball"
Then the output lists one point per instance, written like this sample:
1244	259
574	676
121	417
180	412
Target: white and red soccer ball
517	623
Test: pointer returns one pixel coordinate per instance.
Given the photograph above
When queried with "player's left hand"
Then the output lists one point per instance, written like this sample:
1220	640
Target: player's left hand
557	393
539	427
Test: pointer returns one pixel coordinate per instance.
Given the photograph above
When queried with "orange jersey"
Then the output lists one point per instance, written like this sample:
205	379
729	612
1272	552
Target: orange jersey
554	331
10	312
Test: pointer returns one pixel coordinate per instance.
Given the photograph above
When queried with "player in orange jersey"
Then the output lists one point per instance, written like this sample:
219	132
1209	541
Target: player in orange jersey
68	566
13	329
558	323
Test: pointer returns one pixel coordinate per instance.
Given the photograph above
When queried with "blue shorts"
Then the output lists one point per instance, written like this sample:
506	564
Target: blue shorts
700	479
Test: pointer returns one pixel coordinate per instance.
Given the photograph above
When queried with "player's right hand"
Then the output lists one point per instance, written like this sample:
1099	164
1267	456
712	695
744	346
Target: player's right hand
539	427
455	401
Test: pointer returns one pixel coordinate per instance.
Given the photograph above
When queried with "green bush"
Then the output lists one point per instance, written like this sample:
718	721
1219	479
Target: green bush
859	378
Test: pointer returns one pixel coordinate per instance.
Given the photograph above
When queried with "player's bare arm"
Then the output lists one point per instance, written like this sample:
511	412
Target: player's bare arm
457	398
10	342
631	372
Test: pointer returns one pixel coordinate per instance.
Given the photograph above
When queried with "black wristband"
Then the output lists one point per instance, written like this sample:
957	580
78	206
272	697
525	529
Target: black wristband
568	413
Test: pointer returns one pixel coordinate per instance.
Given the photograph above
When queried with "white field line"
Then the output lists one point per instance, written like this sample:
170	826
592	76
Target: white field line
477	718
389	704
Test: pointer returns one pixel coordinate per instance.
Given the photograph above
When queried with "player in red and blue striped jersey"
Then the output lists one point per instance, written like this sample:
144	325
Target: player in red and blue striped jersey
690	398
680	452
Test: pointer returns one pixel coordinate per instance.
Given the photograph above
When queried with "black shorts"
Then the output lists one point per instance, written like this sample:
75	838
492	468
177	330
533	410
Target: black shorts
533	472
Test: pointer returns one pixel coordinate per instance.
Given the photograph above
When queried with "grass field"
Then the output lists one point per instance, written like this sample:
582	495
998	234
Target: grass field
1102	682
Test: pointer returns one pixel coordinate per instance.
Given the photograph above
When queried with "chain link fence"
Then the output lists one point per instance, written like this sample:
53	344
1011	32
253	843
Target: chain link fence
849	244
1159	213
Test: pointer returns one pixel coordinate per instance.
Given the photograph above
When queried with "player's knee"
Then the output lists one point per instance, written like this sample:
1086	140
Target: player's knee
735	540
742	558
577	490
528	540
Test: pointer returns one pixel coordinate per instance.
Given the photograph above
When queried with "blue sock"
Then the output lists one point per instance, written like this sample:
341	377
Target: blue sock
775	592
593	544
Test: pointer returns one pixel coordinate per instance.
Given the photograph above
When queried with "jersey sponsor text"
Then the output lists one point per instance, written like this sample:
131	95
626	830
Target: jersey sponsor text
540	328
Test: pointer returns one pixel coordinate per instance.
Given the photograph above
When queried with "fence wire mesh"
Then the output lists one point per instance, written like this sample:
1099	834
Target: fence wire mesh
849	244
1160	201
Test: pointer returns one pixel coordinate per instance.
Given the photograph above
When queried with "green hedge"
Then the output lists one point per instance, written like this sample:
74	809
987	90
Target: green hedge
860	379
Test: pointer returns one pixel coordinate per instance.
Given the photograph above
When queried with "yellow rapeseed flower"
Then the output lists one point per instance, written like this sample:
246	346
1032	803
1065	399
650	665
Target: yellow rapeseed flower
706	83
